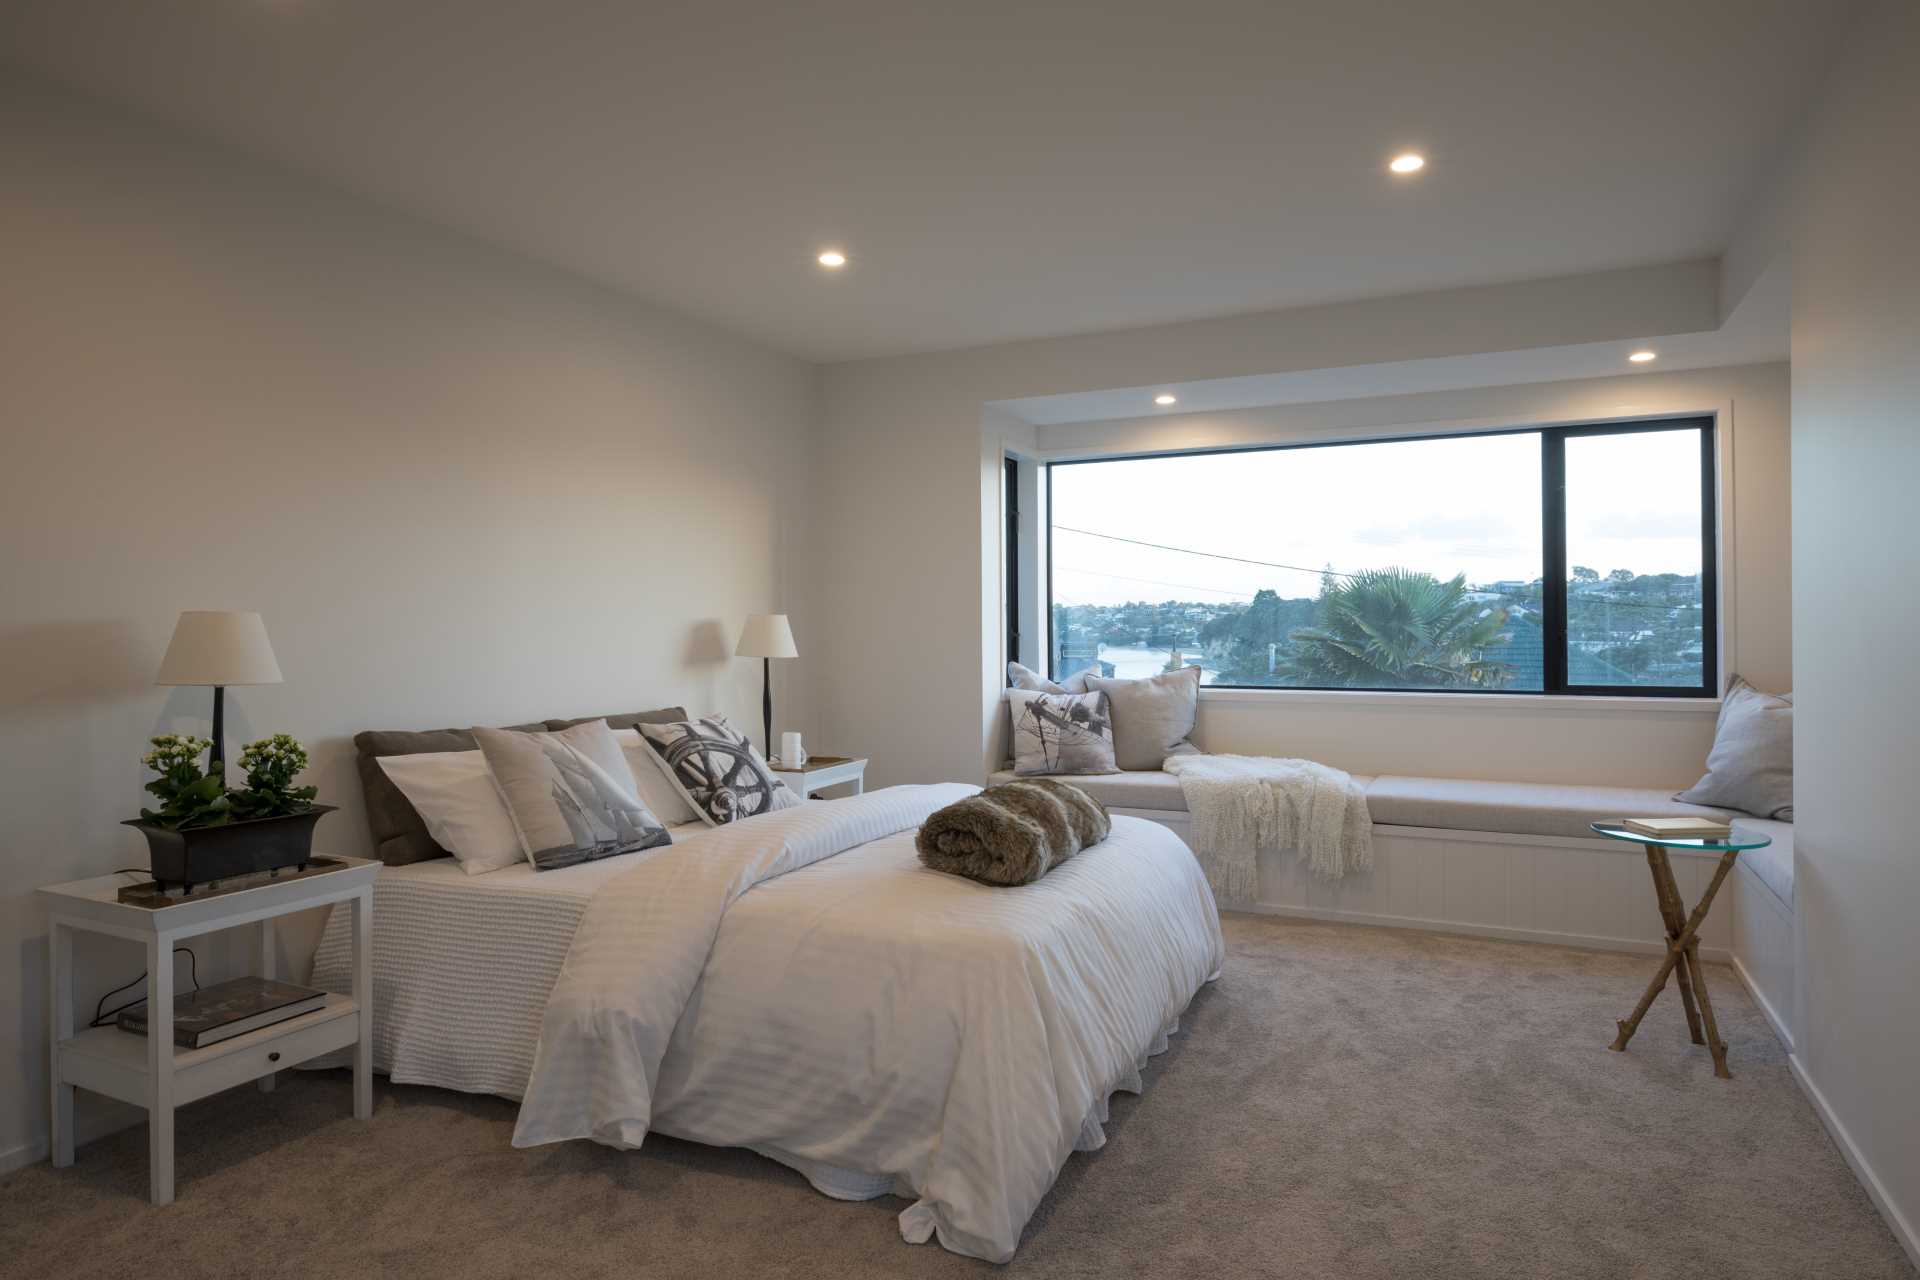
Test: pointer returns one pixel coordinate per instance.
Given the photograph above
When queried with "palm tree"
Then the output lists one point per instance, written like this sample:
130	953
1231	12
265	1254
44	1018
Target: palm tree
1398	629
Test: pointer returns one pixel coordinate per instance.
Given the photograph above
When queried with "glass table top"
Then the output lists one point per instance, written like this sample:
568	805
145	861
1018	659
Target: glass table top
1740	839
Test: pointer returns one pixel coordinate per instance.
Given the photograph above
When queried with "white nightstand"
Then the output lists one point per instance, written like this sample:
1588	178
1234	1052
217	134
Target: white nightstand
150	1071
827	772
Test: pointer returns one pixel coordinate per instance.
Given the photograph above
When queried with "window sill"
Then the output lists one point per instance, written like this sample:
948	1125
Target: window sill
1493	703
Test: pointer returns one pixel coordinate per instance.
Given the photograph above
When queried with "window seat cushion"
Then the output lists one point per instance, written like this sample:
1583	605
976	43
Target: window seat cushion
1130	789
1454	804
1134	788
1519	808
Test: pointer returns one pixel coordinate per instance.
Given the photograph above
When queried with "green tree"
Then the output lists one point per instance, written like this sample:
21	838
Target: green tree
1241	642
1398	629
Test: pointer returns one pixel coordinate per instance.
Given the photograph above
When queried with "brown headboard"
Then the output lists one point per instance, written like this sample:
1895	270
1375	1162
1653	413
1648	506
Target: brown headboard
399	835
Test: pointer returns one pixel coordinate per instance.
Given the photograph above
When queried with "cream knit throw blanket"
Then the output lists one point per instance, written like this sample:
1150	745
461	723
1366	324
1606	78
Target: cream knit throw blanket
1242	804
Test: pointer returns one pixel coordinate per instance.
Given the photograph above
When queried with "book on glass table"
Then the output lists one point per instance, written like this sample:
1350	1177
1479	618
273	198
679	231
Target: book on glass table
228	1009
1679	828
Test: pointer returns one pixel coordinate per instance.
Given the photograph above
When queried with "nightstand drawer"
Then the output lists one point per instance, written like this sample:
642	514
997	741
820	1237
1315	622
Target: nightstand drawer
111	1061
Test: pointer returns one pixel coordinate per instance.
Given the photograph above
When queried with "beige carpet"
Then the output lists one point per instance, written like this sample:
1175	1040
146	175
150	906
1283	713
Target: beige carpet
1344	1102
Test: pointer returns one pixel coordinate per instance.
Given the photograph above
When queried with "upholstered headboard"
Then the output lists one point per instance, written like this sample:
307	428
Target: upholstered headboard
399	835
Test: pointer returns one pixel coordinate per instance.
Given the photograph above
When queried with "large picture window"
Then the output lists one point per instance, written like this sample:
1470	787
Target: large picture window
1571	560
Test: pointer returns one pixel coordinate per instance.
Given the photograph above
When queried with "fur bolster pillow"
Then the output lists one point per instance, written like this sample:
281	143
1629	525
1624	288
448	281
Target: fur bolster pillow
1013	833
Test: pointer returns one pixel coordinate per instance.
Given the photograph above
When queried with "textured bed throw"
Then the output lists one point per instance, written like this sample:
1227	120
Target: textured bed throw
1242	804
1013	833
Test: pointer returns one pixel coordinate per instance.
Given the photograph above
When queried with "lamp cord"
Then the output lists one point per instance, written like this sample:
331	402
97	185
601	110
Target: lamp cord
102	1019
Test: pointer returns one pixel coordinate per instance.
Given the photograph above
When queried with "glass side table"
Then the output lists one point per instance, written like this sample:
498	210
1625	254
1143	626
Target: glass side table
1683	929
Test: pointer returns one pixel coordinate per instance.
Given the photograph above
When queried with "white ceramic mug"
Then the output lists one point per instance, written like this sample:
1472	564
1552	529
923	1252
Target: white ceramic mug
792	754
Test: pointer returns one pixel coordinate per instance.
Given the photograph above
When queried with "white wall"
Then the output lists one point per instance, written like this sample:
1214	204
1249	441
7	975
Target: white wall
1634	743
461	488
904	542
1854	205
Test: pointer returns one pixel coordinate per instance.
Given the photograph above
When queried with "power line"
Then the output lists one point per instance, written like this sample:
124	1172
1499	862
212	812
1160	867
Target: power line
1127	577
1211	555
1612	601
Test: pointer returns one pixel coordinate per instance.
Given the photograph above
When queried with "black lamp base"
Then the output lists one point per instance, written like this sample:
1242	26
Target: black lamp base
217	755
766	702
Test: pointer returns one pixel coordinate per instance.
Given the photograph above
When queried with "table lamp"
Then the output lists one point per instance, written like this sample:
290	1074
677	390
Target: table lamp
212	647
767	636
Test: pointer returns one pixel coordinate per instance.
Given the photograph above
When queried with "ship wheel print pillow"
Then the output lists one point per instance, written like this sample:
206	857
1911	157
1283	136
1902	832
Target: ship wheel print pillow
718	771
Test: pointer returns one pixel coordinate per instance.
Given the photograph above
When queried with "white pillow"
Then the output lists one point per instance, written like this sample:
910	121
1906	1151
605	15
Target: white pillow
657	790
455	795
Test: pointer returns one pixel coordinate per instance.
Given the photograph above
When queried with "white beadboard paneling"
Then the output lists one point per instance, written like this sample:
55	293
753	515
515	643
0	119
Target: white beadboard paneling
1761	928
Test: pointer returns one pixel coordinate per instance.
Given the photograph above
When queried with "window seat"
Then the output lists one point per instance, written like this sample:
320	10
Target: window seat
1493	858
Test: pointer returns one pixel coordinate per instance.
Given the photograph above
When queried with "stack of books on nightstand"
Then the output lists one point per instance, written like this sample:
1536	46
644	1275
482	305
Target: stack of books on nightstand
228	1009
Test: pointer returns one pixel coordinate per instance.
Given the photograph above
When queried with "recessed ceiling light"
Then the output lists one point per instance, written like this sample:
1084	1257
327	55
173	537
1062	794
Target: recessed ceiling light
1643	357
1164	399
832	258
1409	162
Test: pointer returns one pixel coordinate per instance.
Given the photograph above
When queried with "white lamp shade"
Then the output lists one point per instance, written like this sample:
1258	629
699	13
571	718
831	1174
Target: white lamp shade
766	635
214	647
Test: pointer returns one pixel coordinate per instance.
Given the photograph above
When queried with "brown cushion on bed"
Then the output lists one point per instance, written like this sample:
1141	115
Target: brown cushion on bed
399	835
632	719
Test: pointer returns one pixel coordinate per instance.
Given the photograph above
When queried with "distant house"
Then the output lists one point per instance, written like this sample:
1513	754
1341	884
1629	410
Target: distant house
1524	656
1080	655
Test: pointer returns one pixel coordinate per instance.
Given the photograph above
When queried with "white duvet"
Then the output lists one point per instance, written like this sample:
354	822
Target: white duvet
953	1041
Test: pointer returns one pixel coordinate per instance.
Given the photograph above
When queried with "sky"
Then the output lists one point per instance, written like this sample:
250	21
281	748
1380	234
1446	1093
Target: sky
1462	505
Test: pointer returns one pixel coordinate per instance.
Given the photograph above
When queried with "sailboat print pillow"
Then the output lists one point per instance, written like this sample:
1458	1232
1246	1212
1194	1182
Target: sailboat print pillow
570	793
1061	733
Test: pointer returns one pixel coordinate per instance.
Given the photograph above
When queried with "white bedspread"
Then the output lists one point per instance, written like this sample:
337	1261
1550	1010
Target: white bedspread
462	965
871	1014
879	1027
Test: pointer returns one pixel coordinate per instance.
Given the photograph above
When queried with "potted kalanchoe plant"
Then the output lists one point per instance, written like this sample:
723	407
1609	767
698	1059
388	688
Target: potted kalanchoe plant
203	831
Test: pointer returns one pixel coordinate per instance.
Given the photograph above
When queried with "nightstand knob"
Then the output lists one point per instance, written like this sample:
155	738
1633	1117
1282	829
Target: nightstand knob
273	1057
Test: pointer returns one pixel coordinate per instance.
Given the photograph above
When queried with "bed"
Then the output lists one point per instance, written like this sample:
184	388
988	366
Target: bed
798	984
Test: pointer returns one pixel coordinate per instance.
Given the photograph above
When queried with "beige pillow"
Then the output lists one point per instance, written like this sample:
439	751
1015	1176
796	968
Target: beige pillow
1152	717
1750	767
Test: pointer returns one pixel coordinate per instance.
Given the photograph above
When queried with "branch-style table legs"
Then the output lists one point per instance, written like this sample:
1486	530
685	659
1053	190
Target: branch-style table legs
1683	957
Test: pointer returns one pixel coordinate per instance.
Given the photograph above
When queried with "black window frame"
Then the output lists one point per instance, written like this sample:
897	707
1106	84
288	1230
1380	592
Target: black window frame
1553	533
1012	503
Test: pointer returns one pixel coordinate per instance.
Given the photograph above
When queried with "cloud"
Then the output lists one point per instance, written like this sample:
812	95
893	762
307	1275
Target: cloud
1475	533
1633	525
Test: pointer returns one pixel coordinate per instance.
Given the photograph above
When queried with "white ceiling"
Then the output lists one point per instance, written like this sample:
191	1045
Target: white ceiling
996	170
1756	332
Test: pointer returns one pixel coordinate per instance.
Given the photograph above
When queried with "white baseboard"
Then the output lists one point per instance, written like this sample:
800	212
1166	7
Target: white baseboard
21	1156
97	1118
1587	942
1896	1221
1767	1011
